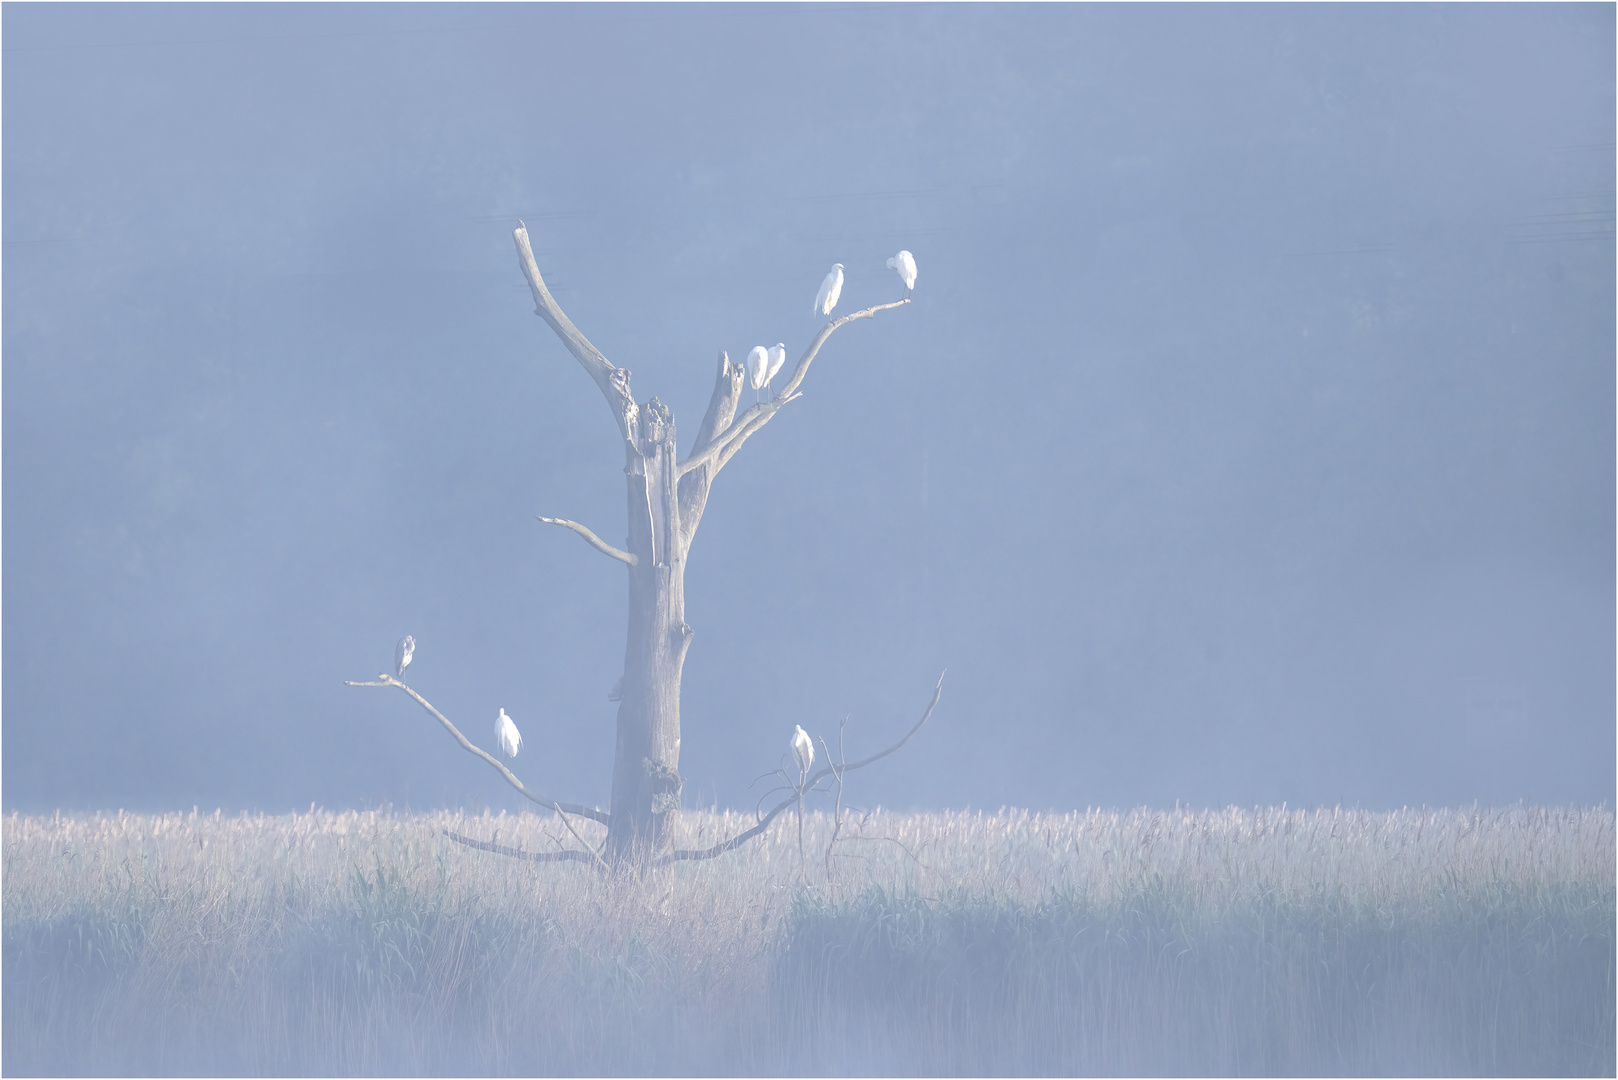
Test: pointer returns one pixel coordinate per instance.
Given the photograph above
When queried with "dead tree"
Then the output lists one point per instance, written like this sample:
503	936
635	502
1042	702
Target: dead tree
666	497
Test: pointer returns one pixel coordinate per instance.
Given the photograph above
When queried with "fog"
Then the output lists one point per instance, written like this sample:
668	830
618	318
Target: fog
1249	439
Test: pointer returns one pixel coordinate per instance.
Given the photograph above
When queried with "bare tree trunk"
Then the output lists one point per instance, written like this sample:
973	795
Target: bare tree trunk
646	766
664	510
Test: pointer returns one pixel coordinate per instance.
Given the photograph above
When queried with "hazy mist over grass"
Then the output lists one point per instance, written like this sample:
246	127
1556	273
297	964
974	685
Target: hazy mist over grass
1227	943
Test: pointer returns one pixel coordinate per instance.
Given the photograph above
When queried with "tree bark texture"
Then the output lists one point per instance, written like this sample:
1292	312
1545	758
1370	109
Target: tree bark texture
666	498
646	764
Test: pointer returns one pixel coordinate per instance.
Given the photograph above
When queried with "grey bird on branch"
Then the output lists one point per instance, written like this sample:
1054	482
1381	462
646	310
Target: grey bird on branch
830	290
506	732
402	653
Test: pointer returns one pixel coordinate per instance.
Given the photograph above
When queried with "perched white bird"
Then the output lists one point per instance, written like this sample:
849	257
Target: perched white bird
830	290
778	356
506	731
402	653
905	264
758	364
804	748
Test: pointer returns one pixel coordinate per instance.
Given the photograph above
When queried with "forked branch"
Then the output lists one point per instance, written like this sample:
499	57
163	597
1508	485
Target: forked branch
694	485
562	809
839	771
723	445
593	540
720	449
727	391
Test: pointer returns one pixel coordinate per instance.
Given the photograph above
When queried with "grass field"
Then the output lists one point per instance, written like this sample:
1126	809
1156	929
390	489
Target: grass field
1176	942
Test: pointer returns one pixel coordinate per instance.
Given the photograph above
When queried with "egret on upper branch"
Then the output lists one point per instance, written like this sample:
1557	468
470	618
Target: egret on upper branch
506	732
402	653
830	290
758	364
805	751
778	356
905	264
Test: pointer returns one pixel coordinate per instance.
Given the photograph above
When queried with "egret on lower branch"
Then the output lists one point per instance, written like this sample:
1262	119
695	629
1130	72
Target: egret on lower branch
758	363
402	653
805	751
778	356
905	264
506	731
830	290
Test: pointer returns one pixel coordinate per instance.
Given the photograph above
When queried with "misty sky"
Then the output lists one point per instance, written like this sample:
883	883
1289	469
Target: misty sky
1250	437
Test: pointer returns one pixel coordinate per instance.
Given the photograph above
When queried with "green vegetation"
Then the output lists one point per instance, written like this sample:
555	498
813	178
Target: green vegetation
1246	942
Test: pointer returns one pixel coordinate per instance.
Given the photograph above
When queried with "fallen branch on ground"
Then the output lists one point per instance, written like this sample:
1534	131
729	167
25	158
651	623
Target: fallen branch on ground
564	855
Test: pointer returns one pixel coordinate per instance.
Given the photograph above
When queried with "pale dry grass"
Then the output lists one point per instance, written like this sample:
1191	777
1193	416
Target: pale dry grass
357	943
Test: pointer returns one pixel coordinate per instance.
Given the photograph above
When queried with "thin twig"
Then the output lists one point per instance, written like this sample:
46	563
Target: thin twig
938	692
837	808
741	838
561	809
592	539
802	874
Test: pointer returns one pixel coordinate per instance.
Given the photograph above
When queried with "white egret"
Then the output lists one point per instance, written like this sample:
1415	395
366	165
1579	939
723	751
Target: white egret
778	356
402	653
905	264
506	731
758	363
805	750
830	290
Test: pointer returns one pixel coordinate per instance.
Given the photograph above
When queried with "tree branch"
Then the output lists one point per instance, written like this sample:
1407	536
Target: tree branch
693	485
592	539
826	331
611	379
565	855
562	809
839	771
735	435
734	444
938	692
721	449
727	390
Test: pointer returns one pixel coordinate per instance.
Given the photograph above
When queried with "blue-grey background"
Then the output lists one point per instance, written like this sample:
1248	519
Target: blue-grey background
1250	437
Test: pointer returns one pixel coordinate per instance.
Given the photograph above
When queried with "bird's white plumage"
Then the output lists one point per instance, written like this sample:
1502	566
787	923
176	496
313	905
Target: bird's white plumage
506	731
778	356
402	653
758	362
905	264
804	748
830	290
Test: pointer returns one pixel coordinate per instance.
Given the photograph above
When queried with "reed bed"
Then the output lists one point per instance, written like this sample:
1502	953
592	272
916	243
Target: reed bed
1239	942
